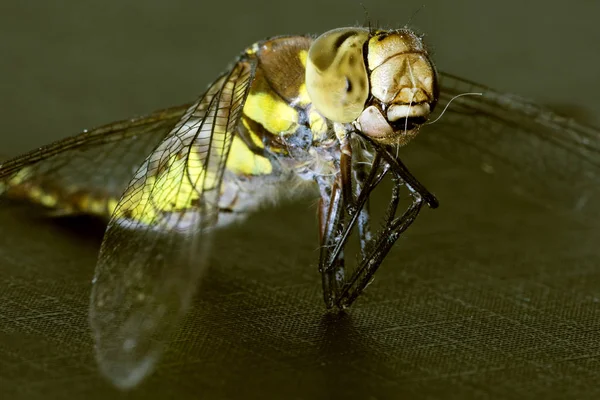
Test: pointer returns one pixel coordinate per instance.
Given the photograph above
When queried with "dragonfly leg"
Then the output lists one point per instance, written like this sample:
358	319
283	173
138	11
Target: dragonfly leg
346	170
400	170
330	222
386	238
336	222
361	176
342	206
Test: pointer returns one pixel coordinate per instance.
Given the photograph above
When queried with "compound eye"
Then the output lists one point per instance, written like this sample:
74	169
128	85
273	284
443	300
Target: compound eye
336	75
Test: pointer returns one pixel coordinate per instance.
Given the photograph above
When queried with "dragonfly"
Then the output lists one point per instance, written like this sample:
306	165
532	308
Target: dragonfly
328	113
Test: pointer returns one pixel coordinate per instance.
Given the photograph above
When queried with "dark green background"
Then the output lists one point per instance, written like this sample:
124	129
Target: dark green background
487	297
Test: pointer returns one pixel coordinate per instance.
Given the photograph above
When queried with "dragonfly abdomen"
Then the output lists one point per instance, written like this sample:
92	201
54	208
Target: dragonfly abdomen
63	200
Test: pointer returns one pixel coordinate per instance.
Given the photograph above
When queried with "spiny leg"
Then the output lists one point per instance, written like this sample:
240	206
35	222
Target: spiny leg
361	176
401	171
353	165
341	209
336	222
330	221
373	179
393	227
346	169
382	245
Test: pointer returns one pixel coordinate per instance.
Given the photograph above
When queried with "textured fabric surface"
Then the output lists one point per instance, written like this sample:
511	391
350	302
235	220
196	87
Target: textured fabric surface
494	302
490	296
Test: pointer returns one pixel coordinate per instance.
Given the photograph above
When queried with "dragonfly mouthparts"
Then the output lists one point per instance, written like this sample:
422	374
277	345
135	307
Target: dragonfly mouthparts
403	111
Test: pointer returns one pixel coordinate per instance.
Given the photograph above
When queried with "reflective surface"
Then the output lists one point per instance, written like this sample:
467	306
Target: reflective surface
491	295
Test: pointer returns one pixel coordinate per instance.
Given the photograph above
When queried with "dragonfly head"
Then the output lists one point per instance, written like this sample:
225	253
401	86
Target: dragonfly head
381	81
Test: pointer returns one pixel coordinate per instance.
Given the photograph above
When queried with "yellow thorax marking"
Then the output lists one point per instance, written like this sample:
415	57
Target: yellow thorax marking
303	97
318	125
266	107
242	161
272	112
253	136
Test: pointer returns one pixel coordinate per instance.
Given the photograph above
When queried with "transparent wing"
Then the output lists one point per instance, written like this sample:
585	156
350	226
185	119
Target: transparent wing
100	161
550	157
157	240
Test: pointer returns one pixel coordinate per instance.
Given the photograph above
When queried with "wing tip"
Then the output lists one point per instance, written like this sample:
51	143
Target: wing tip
125	374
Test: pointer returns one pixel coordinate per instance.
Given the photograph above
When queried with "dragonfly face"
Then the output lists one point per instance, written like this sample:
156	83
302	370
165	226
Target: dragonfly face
329	111
383	81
